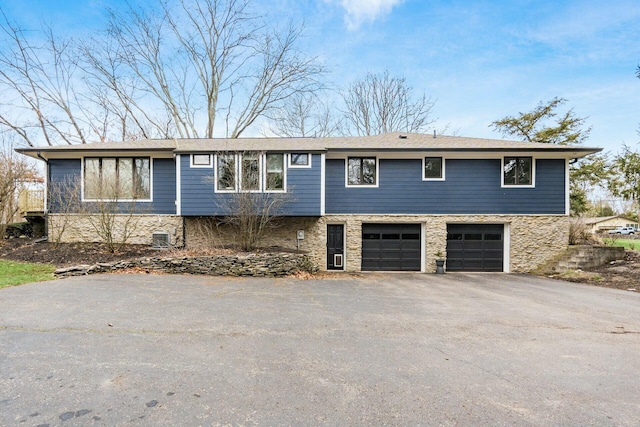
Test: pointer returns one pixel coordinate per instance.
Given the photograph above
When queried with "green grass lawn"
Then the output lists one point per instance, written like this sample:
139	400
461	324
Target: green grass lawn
16	273
631	244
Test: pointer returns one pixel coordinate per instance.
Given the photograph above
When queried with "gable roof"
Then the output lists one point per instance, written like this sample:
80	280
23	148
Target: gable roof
385	142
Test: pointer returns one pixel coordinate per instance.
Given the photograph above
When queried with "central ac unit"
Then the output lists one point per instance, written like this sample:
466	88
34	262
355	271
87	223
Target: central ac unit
161	241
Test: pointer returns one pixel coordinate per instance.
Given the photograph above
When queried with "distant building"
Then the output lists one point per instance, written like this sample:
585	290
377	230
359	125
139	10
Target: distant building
603	224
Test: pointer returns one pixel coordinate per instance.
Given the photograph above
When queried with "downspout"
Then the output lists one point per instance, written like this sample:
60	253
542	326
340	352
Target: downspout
46	194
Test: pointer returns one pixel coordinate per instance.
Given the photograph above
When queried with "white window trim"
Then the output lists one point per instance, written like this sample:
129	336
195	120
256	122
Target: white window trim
150	200
533	174
178	161
442	167
323	173
215	175
346	173
567	187
284	174
291	165
193	165
506	249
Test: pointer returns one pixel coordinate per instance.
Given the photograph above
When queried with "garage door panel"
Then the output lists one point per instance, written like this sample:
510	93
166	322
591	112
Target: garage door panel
475	247
391	247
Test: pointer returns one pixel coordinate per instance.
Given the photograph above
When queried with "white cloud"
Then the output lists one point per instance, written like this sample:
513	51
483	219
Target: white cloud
358	12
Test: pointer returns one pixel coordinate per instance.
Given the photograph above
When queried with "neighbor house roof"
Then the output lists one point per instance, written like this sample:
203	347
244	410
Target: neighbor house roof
384	142
599	219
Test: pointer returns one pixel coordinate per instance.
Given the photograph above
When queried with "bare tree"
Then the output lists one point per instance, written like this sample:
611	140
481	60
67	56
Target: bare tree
304	115
254	200
40	89
380	103
167	69
199	55
14	171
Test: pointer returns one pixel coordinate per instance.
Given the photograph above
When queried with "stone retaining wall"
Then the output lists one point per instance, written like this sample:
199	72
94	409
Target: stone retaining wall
256	265
584	257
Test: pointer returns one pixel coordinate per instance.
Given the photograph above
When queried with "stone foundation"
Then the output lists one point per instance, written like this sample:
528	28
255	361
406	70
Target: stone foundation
79	228
208	232
531	240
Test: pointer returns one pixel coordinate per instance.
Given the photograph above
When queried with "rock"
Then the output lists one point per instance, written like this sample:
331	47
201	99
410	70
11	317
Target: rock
619	269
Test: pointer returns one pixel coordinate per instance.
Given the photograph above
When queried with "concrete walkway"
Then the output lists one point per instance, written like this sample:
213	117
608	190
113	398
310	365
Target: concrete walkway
379	349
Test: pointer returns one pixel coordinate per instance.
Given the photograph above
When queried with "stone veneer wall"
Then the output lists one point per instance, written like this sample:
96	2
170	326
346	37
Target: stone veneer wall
78	228
533	239
206	232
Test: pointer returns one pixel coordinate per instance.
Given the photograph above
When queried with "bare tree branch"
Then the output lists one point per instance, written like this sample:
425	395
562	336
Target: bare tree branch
380	103
42	80
304	115
164	69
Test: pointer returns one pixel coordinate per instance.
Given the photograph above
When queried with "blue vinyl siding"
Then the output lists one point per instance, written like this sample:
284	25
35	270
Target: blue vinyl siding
196	190
200	199
304	185
471	186
164	187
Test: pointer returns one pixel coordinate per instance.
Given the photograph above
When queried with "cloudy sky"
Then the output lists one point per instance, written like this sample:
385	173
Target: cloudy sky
481	60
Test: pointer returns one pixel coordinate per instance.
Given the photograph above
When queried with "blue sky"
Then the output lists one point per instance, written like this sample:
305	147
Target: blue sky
481	60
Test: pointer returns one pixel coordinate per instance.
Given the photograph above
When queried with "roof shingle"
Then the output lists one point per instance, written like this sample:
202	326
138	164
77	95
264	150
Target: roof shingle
384	142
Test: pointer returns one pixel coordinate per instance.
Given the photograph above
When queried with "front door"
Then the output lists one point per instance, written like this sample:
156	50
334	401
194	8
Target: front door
335	247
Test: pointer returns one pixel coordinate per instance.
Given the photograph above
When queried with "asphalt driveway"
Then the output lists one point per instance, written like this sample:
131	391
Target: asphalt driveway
380	349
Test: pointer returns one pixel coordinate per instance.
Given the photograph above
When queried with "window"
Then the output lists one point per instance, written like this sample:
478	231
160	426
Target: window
250	172
433	168
299	160
275	172
361	171
126	178
200	160
518	171
225	172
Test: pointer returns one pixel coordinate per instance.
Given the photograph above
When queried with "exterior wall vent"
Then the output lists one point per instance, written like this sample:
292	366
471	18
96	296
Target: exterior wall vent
161	241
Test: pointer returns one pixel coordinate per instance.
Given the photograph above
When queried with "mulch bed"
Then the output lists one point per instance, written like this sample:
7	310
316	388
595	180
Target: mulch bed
69	254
